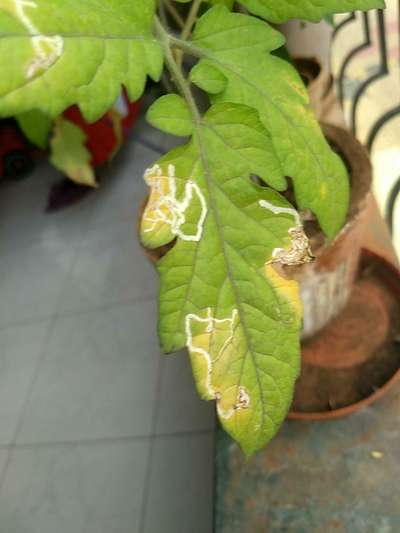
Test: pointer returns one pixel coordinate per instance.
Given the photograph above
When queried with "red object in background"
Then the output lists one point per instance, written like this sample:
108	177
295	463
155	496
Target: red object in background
103	138
16	153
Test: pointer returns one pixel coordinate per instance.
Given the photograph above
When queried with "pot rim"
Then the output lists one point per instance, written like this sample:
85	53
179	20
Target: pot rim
356	158
375	396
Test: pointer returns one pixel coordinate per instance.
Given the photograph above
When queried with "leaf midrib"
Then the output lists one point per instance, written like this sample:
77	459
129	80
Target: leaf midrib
251	351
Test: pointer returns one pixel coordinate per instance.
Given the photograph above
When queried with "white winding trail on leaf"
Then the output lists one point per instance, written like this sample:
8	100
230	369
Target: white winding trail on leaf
175	208
243	398
47	49
300	251
210	321
281	210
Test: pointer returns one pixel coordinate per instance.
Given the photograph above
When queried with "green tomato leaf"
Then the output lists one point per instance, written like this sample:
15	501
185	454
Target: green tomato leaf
208	77
69	153
220	293
54	53
170	114
36	127
282	10
273	87
227	3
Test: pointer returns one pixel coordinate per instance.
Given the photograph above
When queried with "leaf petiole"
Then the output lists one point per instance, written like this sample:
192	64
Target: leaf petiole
182	84
191	19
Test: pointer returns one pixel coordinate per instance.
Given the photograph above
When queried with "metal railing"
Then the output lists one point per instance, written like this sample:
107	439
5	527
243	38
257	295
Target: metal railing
381	72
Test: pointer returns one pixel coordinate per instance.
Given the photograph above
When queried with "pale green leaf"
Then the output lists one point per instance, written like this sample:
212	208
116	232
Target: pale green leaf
237	45
282	10
170	114
208	77
69	153
226	3
220	295
36	127
54	53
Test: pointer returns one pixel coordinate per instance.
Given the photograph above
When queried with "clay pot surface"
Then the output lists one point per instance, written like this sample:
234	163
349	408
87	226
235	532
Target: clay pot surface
321	89
356	359
327	282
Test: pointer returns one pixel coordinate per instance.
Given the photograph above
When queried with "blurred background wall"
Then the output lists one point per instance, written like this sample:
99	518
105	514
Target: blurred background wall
363	52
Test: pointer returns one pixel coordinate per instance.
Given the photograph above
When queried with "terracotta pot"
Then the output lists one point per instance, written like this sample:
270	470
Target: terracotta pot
321	89
318	80
327	282
356	359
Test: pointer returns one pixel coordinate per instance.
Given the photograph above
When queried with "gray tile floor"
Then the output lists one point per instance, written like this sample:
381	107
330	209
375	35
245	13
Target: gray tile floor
99	432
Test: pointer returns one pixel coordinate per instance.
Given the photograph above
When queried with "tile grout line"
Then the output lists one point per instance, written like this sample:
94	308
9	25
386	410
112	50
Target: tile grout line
104	440
33	321
28	394
214	479
68	314
36	373
52	322
108	307
150	453
27	322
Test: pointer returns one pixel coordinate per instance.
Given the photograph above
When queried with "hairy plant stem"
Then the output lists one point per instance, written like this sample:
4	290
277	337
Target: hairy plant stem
174	13
162	13
174	68
187	47
191	19
188	27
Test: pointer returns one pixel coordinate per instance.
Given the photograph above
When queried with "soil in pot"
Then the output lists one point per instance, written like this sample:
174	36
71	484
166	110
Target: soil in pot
356	358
